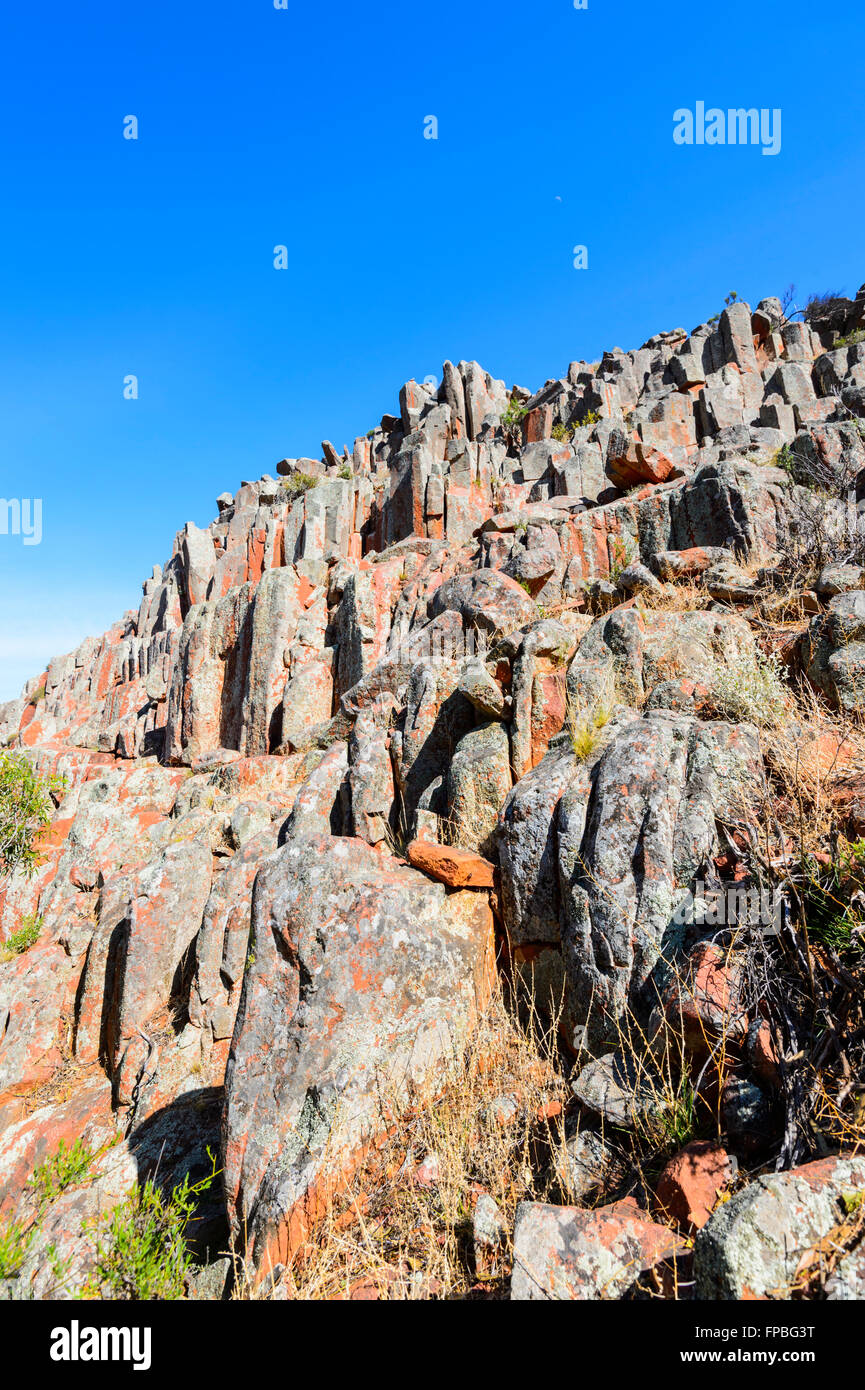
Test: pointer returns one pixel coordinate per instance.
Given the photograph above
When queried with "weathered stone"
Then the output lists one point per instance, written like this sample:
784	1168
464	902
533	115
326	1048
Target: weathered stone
746	1113
833	651
752	1246
478	686
837	579
658	788
703	999
570	1253
634	650
528	849
458	868
478	781
365	979
623	1089
635	579
166	907
487	600
586	1166
691	1183
370	778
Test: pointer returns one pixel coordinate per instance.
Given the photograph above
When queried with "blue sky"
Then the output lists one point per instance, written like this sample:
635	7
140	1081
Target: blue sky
304	127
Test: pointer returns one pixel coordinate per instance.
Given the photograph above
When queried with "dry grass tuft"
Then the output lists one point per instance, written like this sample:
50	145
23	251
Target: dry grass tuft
398	1235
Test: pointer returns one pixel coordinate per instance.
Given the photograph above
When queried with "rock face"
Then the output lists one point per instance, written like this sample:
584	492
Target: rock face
650	826
364	981
461	643
833	651
639	650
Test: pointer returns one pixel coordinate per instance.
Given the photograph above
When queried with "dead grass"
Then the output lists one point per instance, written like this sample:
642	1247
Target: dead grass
492	1130
675	596
585	722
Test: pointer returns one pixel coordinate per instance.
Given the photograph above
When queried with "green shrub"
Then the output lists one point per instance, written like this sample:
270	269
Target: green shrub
345	472
622	555
591	417
141	1250
21	940
25	810
68	1165
751	690
296	484
14	1241
513	416
584	721
830	918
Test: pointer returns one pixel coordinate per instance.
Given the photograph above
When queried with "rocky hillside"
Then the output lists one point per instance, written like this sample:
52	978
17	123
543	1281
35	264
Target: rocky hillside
454	880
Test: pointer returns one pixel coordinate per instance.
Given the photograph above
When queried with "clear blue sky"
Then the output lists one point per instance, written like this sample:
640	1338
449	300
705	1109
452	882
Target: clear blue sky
305	128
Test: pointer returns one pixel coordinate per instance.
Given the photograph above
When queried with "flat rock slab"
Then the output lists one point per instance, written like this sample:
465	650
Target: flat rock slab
572	1253
458	868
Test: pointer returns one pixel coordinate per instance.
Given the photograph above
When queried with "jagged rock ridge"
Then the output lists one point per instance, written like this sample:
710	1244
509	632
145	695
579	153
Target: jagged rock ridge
381	647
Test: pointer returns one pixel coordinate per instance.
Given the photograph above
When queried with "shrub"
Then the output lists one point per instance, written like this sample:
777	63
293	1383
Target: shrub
513	416
622	555
751	690
585	722
828	899
25	810
14	1241
591	417
345	472
141	1250
65	1167
819	306
296	484
26	936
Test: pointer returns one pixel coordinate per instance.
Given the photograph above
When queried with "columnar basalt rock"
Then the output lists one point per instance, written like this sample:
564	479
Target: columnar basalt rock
395	652
364	981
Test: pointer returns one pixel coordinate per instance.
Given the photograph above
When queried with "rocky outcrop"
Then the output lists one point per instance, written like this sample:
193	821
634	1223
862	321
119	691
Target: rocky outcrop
573	1254
404	707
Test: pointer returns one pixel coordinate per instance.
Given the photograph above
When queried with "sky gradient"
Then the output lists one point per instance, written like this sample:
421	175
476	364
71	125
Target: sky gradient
304	127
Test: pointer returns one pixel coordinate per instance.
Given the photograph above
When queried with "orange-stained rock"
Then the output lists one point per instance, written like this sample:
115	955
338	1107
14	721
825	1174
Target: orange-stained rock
571	1253
458	868
704	1000
762	1054
689	1187
364	979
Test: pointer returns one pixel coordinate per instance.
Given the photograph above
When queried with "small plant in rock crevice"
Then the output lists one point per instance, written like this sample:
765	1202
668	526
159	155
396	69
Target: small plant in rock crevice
21	940
15	1238
68	1165
296	484
751	690
25	811
141	1252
